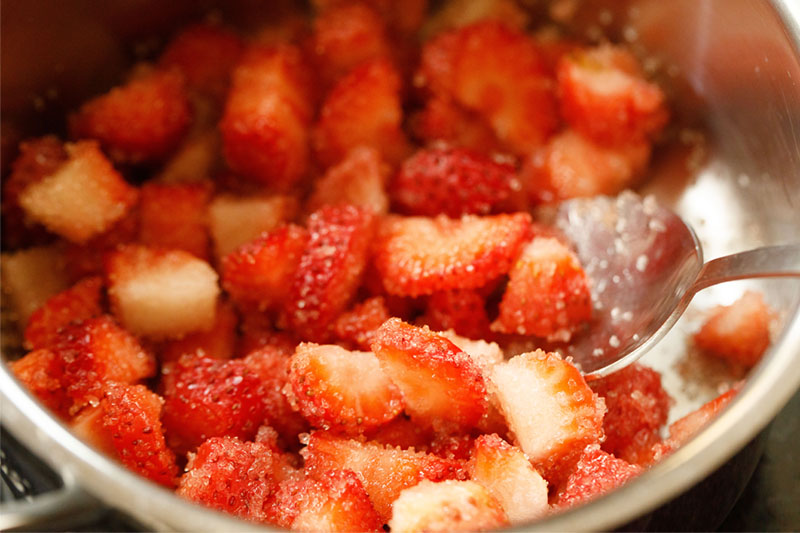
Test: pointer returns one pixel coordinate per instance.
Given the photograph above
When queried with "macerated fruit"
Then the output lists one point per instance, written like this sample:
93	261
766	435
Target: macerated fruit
442	387
454	182
738	333
420	255
219	342
82	198
359	180
509	477
568	415
442	120
142	120
404	18
346	392
175	216
161	293
547	293
460	13
685	428
460	310
358	325
32	276
595	473
446	506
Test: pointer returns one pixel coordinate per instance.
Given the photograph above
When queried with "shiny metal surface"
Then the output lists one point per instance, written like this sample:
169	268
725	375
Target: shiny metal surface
735	64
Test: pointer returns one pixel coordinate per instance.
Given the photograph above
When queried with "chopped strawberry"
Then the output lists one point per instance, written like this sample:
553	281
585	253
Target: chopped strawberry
358	325
460	13
402	433
404	18
127	424
175	216
454	182
219	342
596	473
196	160
605	96
83	198
446	506
30	277
345	36
259	273
384	471
267	114
363	108
258	331
333	501
568	415
453	446
636	403
418	255
498	72
685	428
444	120
84	260
571	166
359	180
330	269
207	397
42	373
547	293
460	310
441	385
509	477
205	54
142	120
241	478
161	293
738	333
346	392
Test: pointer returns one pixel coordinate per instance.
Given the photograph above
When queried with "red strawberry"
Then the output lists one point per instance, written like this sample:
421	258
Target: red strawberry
454	182
442	387
258	331
444	120
596	473
330	269
359	180
346	392
83	260
259	273
405	18
384	471
547	293
175	216
402	433
126	423
605	96
363	108
417	255
219	342
42	373
79	302
738	333
358	325
460	310
142	120
685	428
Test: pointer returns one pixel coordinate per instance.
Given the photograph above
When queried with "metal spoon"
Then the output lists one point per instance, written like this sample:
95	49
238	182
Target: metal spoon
646	264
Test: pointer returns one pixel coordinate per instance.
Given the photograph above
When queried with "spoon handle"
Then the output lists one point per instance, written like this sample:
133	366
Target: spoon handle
766	262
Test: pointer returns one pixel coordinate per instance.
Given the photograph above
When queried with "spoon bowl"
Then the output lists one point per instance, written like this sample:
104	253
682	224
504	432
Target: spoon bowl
645	265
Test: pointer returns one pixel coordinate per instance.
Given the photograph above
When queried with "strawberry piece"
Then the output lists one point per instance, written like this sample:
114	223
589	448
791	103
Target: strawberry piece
547	293
267	114
30	277
605	96
402	433
42	373
161	293
418	255
738	333
330	269
257	331
127	424
345	36
175	216
240	478
383	470
363	108
259	273
685	428
359	180
441	385
346	392
568	415
79	302
140	121
636	404
207	397
454	182
219	342
454	446
446	506
498	72
571	166
444	120
596	473
82	198
460	13
335	501
358	326
204	54
404	19
508	476
463	311
37	159
84	260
